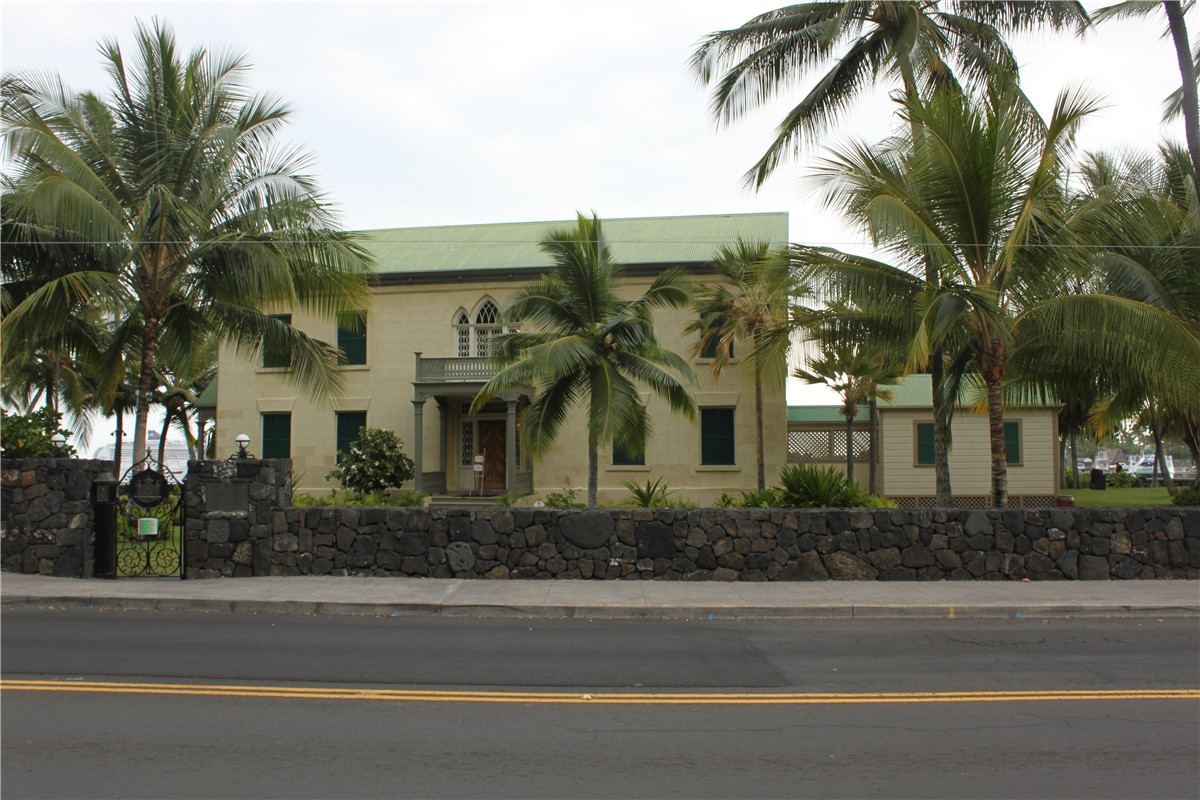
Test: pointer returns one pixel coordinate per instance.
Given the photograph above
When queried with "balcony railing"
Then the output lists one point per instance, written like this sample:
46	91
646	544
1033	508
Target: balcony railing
443	370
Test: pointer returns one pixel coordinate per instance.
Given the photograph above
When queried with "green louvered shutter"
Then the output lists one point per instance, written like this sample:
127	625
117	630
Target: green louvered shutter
349	426
352	341
1012	442
716	436
276	435
925	451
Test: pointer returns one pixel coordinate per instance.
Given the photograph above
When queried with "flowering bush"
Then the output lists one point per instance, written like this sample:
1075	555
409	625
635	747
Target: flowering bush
374	463
28	435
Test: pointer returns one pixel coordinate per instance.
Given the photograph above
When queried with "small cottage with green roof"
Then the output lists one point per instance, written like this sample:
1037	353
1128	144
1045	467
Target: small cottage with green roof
904	451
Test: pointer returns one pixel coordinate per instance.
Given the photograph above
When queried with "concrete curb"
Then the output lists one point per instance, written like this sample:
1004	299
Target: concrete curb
602	611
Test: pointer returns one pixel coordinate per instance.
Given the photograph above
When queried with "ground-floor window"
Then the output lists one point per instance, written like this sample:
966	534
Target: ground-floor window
277	435
716	436
349	427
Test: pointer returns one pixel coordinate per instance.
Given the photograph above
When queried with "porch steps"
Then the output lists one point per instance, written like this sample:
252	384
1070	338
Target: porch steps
461	501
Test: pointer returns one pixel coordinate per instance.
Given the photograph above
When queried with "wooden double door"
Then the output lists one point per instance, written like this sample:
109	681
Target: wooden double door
492	441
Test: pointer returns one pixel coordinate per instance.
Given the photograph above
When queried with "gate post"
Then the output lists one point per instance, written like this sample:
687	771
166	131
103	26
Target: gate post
104	497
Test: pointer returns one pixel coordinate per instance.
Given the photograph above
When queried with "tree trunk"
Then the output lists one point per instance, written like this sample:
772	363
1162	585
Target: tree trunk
758	432
1160	461
1074	461
196	453
1187	72
1186	423
873	424
593	472
941	439
145	389
849	448
995	403
162	441
119	436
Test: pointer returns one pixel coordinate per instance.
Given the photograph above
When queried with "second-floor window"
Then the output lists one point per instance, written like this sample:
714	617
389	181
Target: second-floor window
472	333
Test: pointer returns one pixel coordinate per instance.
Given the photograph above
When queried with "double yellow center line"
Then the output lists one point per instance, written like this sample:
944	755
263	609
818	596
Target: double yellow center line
611	698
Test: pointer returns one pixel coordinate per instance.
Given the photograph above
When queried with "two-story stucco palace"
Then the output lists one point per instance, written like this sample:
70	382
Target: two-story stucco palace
422	358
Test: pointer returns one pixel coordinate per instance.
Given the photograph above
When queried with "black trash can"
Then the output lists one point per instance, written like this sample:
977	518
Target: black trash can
1099	480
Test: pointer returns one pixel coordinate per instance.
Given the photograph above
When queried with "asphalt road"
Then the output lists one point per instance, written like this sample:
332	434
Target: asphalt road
225	705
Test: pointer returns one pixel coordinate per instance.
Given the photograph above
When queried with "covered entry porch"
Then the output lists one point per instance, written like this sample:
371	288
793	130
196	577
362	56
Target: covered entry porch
478	453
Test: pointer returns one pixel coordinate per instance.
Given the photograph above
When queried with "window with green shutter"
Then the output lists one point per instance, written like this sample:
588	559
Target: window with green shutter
622	458
716	436
1012	442
277	358
349	426
711	349
352	341
925	452
277	435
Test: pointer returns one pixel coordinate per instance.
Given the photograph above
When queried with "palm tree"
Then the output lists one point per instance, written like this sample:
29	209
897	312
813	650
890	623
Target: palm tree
980	193
858	374
747	302
1147	252
916	44
1186	102
581	343
198	220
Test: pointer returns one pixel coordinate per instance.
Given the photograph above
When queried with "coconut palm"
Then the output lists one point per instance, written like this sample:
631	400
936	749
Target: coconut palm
1185	101
981	194
858	374
746	302
582	344
1147	251
198	221
915	44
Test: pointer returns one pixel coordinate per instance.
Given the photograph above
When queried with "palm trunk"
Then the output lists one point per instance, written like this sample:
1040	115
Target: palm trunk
873	424
1186	423
758	432
162	441
941	440
145	390
593	472
119	435
996	437
1160	461
1074	461
1187	72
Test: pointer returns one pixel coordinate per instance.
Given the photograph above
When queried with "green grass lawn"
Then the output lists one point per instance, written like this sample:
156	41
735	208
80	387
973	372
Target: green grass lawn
1132	496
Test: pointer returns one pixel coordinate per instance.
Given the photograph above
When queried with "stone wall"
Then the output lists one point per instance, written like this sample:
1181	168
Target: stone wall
46	517
232	509
709	544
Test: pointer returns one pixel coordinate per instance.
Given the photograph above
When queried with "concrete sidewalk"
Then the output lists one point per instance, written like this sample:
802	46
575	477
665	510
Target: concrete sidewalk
613	599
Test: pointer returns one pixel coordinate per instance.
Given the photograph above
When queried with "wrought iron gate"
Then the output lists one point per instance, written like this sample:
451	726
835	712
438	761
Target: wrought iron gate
149	523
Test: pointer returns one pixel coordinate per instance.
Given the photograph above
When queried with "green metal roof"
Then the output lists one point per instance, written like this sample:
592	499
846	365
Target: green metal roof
822	414
911	391
208	398
514	245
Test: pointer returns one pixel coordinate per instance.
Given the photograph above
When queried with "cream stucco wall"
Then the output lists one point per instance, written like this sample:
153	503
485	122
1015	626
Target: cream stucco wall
970	468
418	318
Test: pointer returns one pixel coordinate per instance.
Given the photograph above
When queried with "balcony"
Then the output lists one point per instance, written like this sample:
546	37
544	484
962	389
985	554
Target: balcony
453	370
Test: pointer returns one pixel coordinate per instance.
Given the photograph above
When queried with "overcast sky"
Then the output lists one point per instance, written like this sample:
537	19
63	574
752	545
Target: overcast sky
436	113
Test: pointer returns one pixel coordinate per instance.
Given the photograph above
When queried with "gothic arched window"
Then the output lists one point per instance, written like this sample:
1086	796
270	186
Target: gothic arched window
472	334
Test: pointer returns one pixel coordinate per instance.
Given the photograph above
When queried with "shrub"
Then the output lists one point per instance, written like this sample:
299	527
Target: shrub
564	499
807	486
1121	480
770	497
725	501
509	499
652	495
28	435
1188	496
375	462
